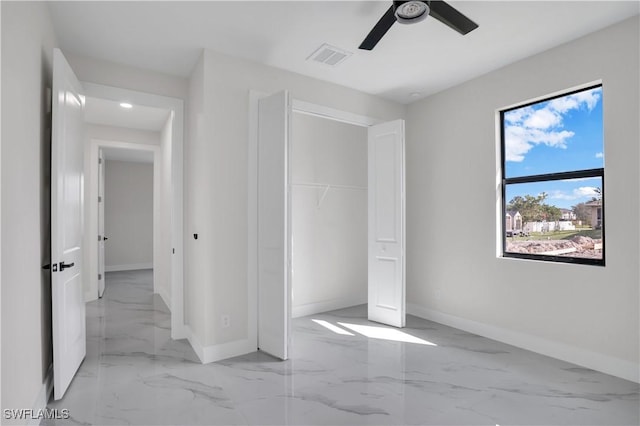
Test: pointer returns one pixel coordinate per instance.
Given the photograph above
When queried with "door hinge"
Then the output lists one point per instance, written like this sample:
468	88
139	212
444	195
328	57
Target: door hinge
99	277
99	160
99	199
99	237
173	251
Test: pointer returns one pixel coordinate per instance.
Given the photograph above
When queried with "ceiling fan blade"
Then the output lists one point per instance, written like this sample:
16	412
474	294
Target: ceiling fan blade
450	16
380	29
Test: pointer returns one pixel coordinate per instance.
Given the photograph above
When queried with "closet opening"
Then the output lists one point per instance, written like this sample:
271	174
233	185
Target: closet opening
328	181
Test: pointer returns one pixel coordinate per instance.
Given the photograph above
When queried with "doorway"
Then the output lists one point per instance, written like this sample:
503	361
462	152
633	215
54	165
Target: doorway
74	242
155	132
269	224
128	215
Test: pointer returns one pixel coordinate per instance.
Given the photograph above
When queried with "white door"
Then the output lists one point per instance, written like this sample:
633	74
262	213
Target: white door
101	237
67	298
386	233
274	304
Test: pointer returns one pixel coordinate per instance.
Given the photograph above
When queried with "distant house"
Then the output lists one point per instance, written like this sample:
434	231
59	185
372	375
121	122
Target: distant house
595	207
566	214
513	222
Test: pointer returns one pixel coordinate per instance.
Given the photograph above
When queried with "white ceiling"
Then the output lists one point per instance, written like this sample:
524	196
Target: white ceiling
110	113
422	58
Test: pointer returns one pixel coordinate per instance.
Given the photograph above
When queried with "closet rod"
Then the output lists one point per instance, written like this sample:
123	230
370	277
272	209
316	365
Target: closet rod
328	185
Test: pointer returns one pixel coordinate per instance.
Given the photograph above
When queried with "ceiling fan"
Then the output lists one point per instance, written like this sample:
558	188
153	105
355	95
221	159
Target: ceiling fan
409	12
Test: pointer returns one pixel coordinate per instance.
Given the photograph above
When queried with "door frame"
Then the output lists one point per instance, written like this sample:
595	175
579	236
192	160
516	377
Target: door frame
95	145
176	105
297	106
101	222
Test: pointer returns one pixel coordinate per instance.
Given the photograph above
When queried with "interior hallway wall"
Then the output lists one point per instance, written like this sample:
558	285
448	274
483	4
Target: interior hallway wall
122	134
329	229
128	215
112	74
28	39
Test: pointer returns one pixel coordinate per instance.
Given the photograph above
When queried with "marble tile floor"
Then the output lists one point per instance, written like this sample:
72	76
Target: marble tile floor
134	374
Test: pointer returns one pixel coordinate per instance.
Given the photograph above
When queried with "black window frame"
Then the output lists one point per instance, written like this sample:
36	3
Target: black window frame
576	174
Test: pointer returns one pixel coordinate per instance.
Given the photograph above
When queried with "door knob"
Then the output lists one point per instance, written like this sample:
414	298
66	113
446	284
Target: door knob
105	238
64	266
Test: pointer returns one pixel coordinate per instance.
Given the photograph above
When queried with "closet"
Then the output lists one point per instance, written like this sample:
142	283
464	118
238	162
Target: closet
328	177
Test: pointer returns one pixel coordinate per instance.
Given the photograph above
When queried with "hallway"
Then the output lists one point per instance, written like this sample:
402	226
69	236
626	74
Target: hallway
343	370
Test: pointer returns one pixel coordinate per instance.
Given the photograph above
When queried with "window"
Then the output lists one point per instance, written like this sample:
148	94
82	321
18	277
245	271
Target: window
553	179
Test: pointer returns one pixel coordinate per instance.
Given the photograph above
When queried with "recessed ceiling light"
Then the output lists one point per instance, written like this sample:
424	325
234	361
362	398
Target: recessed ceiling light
126	105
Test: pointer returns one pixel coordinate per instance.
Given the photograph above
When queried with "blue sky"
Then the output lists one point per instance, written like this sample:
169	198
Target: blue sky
563	134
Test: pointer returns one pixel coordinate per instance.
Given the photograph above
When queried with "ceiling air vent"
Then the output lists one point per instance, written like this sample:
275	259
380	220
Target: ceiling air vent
329	55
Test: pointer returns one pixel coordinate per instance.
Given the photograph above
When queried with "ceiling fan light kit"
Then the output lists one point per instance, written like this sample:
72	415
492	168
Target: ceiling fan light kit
409	12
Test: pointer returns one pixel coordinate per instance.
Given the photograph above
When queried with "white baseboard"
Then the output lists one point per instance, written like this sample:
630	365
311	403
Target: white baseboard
593	360
324	306
128	267
214	353
179	332
90	296
165	297
194	342
43	396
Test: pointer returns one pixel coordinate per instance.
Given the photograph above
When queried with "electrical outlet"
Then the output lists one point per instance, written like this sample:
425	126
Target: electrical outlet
226	321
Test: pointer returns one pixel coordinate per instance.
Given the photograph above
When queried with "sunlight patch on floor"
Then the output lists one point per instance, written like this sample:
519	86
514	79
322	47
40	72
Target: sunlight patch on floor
332	327
375	332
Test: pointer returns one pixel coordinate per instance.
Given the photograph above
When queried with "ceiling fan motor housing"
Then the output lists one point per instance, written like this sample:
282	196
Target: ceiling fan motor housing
410	12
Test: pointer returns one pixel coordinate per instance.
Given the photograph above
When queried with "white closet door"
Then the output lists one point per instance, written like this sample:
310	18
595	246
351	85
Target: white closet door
274	304
386	233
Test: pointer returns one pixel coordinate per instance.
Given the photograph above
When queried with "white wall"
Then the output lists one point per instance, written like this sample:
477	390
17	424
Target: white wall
197	177
584	314
1	406
329	256
217	187
121	134
128	215
126	77
28	40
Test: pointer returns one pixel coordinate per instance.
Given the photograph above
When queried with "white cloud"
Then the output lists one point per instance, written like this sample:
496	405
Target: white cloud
586	191
543	119
582	192
521	139
599	155
528	127
587	99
